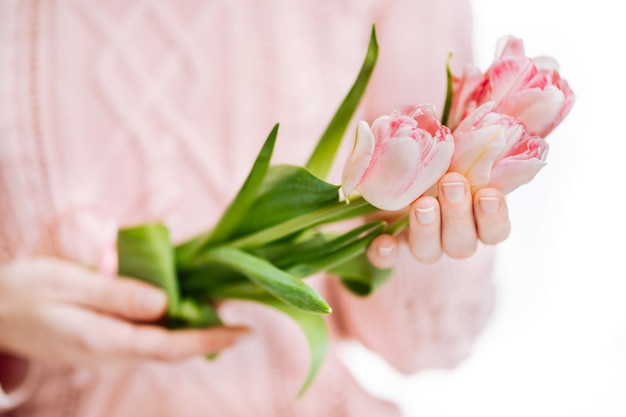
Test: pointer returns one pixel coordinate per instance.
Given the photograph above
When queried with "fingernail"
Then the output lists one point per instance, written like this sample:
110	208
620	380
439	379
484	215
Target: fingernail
426	215
385	250
489	204
454	191
151	301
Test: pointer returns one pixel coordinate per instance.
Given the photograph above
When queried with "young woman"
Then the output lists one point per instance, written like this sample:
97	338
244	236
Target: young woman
116	112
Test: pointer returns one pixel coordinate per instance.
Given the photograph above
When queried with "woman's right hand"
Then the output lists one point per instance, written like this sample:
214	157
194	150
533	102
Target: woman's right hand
59	312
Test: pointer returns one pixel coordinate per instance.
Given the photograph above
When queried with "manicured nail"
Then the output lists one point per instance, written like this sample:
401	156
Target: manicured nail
454	191
151	301
385	250
426	215
489	204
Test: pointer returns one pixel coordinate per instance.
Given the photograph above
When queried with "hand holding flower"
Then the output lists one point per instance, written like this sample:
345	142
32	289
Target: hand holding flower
63	313
450	225
499	121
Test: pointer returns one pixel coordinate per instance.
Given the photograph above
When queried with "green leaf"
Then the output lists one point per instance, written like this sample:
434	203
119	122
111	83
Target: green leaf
145	252
322	158
331	213
316	332
277	282
195	312
322	245
332	260
208	277
398	226
448	103
359	275
287	191
313	326
283	249
240	206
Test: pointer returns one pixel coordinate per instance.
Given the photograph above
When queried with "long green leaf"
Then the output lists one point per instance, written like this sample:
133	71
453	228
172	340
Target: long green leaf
323	155
313	326
330	213
287	191
239	207
145	252
208	277
277	282
326	244
316	332
335	258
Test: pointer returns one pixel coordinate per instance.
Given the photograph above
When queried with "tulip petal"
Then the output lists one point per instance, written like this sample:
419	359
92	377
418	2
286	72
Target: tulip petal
429	173
546	63
509	46
479	139
395	167
476	152
359	159
510	74
538	109
402	172
516	137
465	88
512	172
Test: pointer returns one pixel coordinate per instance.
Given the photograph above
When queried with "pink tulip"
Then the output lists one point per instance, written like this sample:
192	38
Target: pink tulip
398	158
495	150
530	90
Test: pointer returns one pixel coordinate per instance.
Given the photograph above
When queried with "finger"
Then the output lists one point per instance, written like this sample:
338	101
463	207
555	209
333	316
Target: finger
167	345
458	230
383	251
492	216
424	235
104	337
124	297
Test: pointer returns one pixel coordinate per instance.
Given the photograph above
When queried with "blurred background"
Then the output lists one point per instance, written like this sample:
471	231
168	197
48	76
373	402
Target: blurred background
556	343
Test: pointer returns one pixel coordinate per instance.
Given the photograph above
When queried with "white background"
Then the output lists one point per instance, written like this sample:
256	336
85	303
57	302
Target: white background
556	344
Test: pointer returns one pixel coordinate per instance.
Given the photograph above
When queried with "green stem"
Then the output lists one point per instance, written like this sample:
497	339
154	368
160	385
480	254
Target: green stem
334	259
448	103
340	211
398	226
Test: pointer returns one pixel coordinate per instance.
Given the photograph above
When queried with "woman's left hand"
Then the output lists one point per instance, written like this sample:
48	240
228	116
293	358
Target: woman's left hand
452	224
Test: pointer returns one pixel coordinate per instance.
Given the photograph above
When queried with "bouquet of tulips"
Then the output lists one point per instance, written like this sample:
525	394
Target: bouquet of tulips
492	130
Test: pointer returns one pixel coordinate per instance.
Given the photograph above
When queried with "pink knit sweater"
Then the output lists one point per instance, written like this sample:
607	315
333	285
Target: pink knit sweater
114	112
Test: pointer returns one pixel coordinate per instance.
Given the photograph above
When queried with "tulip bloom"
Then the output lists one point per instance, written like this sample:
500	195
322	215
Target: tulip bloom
400	157
496	150
529	90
